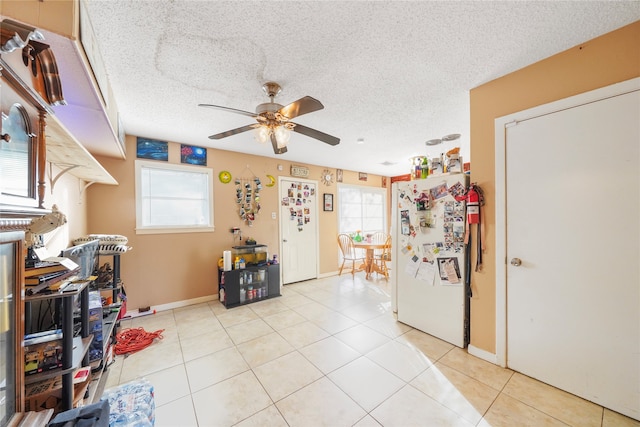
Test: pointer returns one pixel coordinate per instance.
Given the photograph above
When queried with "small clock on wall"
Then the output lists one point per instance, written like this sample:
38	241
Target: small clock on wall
327	177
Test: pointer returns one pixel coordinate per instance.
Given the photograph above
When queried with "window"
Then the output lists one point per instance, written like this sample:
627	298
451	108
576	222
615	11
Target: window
17	159
173	198
361	208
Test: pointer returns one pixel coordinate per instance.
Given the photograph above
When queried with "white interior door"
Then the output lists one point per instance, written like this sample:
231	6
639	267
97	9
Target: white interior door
298	229
573	219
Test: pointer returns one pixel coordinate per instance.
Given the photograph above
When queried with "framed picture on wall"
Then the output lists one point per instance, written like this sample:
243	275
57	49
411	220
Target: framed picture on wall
152	149
328	202
193	155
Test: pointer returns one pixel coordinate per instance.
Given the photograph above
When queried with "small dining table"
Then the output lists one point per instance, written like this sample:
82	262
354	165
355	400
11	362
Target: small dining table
369	265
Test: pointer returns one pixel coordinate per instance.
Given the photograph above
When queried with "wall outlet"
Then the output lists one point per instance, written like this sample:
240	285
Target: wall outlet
273	215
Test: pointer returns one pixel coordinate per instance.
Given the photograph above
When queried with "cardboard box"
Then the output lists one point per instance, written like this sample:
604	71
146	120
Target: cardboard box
47	394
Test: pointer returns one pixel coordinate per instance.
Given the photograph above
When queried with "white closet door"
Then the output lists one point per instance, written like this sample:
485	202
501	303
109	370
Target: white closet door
573	219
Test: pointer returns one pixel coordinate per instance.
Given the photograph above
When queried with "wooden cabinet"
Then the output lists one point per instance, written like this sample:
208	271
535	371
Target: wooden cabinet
11	326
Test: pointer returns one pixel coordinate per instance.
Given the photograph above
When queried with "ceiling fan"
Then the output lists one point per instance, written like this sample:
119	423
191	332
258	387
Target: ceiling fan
273	120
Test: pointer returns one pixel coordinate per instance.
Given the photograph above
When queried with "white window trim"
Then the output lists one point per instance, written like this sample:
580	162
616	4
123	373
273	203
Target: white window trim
382	191
141	229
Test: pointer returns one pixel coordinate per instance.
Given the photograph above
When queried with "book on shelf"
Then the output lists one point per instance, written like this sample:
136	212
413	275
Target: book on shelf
36	280
52	284
40	337
49	278
49	267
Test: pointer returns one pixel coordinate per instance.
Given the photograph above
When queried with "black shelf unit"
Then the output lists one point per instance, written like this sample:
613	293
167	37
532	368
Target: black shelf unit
243	281
74	350
110	324
116	282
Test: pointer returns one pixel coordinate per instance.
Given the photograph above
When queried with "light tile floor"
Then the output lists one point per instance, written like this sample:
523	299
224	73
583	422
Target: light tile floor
329	352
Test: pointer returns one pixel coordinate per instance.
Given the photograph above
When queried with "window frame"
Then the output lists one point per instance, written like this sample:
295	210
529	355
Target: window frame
140	166
363	188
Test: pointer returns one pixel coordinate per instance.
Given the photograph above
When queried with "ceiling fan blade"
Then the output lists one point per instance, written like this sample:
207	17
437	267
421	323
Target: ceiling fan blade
301	106
276	149
231	110
233	131
321	136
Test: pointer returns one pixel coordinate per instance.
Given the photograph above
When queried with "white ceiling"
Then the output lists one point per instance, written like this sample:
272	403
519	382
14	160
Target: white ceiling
393	73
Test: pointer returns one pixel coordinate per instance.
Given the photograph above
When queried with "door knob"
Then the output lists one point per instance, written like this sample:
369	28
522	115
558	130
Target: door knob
284	240
516	262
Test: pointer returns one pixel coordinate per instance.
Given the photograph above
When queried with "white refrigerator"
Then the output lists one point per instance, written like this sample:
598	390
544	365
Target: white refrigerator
429	256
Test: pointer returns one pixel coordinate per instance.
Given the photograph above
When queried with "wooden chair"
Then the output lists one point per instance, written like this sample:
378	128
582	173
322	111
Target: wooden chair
378	237
348	253
384	257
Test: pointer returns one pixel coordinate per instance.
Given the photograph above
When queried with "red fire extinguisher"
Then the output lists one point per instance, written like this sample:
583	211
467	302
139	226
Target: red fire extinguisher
473	205
474	199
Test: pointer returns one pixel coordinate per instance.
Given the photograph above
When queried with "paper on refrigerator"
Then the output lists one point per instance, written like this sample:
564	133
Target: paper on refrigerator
427	272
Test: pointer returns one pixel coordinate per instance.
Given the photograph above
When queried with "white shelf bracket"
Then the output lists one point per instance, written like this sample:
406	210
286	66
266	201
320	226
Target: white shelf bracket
86	186
57	177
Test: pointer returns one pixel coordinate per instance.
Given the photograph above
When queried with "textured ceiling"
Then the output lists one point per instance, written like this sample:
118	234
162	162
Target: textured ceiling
392	73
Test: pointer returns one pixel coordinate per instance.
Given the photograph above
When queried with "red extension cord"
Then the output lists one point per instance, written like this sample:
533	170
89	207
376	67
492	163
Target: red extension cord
135	339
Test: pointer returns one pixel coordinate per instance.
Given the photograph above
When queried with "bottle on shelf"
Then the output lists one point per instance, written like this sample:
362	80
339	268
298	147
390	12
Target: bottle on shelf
424	168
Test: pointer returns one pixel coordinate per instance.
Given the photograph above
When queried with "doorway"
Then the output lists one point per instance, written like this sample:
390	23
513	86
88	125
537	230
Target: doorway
298	229
568	235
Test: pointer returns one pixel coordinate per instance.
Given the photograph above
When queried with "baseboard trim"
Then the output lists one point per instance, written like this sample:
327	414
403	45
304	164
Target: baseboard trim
329	274
482	354
177	304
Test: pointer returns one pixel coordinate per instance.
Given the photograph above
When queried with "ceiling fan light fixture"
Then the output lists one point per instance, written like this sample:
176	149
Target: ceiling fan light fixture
261	134
283	135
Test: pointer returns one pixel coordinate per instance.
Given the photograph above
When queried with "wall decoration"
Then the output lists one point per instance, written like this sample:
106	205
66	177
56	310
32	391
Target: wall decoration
299	171
362	176
328	202
224	177
152	149
272	181
326	177
193	155
338	175
248	197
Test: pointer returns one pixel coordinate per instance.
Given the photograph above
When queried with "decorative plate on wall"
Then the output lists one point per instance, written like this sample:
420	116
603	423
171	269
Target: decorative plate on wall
224	177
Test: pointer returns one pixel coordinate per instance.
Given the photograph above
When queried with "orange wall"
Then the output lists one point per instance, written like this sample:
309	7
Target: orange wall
59	16
166	268
609	59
